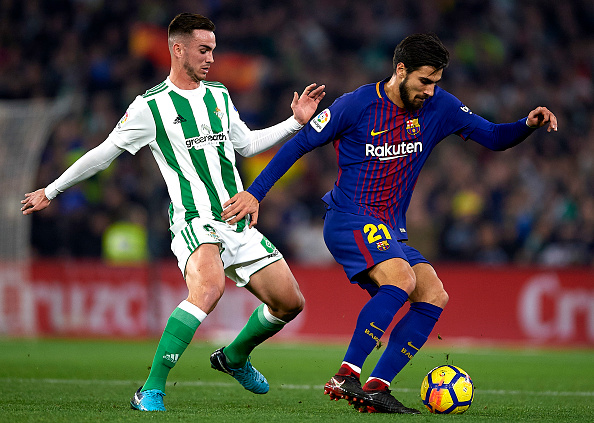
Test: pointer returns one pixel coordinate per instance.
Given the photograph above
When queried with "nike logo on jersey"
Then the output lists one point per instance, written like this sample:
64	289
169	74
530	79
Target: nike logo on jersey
373	133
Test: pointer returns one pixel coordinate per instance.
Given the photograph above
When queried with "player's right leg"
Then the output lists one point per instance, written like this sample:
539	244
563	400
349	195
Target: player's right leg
374	259
373	320
205	279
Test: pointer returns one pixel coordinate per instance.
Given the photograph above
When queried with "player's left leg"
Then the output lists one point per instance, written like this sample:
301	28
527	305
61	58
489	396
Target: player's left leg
205	279
411	332
277	288
371	256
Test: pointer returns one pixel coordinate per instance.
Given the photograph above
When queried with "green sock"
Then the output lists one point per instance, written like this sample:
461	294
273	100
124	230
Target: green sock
176	337
257	330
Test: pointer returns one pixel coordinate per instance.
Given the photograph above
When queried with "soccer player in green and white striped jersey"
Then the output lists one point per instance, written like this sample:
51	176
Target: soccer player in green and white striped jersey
193	131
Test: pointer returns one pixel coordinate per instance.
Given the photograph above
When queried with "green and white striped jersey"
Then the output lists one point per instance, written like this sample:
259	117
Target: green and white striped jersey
192	135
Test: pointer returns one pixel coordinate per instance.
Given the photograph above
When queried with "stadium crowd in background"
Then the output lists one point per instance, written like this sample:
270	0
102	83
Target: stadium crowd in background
530	205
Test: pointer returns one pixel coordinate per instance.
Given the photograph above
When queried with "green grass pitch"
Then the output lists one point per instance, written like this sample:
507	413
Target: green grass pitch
92	381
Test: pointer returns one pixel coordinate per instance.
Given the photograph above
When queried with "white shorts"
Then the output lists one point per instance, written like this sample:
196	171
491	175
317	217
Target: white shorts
243	253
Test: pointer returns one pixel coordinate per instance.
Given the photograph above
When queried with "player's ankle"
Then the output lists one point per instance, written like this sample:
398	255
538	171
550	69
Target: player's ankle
347	369
375	384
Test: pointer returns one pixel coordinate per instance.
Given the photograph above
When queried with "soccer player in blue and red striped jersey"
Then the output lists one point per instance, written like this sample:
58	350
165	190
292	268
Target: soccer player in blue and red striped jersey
383	134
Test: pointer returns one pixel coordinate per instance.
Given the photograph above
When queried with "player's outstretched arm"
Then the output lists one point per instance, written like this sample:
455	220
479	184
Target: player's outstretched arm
501	136
542	116
93	161
304	106
34	201
238	206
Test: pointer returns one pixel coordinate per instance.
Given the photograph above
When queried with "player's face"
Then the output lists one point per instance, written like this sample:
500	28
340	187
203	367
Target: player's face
197	54
418	86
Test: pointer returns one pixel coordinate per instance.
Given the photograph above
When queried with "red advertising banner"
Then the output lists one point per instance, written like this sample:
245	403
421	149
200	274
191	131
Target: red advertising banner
546	306
524	306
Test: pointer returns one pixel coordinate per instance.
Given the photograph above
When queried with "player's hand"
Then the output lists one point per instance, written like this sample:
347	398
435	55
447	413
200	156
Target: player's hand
304	106
34	201
540	117
238	206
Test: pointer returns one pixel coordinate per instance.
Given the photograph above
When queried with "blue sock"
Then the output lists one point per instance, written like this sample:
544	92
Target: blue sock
407	337
373	320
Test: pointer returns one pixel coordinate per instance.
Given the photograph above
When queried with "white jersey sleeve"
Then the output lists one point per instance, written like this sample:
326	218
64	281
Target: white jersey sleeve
239	133
95	160
136	128
248	143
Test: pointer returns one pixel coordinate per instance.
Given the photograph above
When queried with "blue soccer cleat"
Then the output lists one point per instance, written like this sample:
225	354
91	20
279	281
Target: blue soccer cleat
250	378
149	400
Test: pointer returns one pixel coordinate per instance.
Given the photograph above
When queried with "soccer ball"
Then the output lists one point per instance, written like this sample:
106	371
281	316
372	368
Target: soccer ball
447	390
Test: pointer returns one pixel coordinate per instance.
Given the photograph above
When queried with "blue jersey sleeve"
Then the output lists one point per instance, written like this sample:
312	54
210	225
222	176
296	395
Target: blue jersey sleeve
501	136
327	126
495	136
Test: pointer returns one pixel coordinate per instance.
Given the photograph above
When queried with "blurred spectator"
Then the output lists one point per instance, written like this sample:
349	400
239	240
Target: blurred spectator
532	205
125	242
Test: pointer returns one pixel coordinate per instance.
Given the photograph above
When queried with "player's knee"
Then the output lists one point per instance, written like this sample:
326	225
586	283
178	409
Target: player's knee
409	283
441	298
206	299
394	272
205	295
406	281
299	304
294	307
433	294
436	296
289	308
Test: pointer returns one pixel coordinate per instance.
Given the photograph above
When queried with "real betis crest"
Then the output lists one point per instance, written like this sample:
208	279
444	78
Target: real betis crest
211	231
219	113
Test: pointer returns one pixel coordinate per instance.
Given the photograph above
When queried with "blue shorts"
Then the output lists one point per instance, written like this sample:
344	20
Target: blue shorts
359	242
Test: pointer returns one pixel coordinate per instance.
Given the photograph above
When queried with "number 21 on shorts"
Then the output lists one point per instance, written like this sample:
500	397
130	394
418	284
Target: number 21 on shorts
378	235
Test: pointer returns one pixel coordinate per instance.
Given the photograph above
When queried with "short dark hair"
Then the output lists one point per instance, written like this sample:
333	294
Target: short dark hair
419	50
186	23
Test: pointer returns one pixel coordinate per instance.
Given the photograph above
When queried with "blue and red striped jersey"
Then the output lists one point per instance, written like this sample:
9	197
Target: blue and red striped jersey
381	148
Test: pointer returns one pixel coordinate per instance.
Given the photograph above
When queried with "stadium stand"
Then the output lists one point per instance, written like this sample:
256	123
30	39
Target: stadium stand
531	205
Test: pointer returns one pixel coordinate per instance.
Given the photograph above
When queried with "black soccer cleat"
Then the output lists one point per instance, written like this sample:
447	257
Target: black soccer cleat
345	387
382	401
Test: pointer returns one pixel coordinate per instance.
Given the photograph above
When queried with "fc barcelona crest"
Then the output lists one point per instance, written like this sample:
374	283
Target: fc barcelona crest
382	245
413	127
